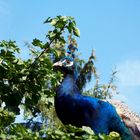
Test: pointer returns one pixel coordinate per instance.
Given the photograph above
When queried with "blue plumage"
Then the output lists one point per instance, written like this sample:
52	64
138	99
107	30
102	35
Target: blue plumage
74	108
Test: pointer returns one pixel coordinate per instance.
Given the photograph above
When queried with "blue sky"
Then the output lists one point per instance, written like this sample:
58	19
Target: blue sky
112	27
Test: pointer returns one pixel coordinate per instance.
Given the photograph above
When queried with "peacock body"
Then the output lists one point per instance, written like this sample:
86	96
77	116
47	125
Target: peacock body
76	109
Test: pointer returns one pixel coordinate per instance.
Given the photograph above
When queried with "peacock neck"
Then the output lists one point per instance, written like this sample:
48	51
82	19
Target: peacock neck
68	86
68	82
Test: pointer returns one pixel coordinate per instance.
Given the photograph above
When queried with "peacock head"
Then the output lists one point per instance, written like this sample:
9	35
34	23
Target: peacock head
63	69
66	70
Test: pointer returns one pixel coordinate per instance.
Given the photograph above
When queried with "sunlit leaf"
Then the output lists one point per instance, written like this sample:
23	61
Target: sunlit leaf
76	32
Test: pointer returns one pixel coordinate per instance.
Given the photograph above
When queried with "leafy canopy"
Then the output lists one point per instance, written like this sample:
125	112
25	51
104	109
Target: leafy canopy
31	83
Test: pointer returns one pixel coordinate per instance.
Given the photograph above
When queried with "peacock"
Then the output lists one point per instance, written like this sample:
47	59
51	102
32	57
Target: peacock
76	109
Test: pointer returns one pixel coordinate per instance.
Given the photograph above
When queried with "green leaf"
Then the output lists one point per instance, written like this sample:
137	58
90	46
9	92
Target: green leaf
37	42
64	18
53	22
48	20
88	130
76	32
10	45
62	40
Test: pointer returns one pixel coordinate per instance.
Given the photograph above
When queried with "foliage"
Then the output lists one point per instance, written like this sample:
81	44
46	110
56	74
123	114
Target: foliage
31	79
31	83
103	91
6	118
68	132
86	72
18	132
84	133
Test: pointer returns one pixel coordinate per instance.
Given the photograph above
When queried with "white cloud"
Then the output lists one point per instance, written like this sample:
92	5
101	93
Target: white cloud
129	73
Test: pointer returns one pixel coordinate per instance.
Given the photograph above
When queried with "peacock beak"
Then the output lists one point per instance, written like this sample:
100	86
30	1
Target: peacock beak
59	63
